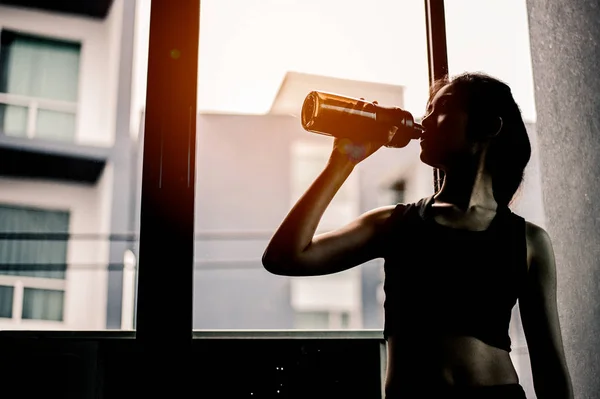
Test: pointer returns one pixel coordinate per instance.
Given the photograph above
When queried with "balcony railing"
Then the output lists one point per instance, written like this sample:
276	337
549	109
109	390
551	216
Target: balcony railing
33	106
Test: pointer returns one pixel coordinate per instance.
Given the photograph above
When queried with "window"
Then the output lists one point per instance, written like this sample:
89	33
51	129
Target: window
32	270
39	83
6	301
258	61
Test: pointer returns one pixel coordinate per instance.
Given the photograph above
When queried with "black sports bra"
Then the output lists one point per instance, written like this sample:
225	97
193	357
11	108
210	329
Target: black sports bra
445	281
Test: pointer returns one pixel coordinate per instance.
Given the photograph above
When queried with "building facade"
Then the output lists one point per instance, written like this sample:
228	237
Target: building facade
65	153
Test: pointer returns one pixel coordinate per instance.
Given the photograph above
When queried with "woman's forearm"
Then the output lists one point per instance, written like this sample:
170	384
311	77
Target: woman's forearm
299	227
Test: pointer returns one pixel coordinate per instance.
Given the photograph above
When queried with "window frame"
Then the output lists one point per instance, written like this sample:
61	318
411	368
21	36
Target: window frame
168	178
437	56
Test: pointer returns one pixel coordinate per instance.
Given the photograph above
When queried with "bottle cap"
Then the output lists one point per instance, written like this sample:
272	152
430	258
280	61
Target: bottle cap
420	129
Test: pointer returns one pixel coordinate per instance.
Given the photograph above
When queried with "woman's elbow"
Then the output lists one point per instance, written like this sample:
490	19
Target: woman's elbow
275	264
285	265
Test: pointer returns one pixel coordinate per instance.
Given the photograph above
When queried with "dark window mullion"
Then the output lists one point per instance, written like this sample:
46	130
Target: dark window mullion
165	281
437	54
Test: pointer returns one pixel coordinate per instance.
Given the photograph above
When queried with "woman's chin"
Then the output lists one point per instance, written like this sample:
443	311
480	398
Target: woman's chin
430	160
426	158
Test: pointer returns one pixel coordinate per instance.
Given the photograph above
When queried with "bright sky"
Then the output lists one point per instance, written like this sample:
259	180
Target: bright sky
247	46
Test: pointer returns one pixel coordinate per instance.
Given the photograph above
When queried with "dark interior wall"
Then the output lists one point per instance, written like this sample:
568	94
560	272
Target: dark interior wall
98	368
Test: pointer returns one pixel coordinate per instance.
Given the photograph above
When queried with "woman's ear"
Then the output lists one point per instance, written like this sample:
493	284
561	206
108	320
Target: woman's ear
486	127
492	126
496	127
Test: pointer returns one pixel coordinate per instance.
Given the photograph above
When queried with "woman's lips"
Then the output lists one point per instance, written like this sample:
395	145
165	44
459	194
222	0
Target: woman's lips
425	136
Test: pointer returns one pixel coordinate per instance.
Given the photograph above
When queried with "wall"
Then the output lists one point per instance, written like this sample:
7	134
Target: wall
564	48
112	34
113	365
140	64
242	184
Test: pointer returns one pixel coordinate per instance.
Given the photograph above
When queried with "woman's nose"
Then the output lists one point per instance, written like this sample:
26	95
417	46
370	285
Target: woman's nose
426	121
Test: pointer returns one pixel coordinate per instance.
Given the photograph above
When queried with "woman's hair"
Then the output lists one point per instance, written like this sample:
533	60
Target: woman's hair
485	100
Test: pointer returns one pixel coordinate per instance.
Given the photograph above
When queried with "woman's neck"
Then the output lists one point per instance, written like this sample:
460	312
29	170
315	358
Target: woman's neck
468	186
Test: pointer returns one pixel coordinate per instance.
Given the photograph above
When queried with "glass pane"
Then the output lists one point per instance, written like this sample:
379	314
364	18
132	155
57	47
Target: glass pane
58	79
69	209
34	258
14	119
254	160
43	304
6	301
55	125
479	43
41	67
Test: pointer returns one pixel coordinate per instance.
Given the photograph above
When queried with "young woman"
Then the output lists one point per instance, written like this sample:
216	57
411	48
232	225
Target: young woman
455	262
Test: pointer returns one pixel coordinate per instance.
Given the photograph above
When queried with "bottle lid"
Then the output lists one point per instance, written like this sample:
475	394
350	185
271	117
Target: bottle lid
420	130
309	110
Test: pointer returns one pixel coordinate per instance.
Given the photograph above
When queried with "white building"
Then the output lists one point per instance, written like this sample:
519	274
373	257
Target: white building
65	82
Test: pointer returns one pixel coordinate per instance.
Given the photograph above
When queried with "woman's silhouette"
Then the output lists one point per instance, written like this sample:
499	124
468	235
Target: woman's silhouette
455	262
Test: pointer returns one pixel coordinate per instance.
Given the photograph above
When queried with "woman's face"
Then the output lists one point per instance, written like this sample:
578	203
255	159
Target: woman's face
445	140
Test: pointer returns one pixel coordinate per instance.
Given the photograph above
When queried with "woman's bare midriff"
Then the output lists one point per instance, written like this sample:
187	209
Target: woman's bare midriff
451	361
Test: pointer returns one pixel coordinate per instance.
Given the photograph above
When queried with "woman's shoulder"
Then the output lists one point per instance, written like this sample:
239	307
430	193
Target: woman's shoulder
403	207
539	243
534	230
395	215
535	234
